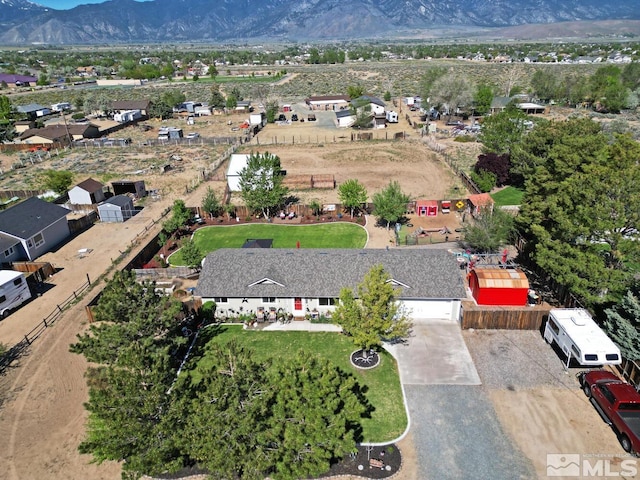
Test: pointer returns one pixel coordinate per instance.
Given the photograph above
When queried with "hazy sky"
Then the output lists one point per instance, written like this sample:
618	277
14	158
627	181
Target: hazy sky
64	4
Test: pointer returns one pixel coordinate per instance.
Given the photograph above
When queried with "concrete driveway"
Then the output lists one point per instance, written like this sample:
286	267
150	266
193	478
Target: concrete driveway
436	354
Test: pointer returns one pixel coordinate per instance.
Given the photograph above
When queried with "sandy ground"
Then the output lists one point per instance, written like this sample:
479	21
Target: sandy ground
557	421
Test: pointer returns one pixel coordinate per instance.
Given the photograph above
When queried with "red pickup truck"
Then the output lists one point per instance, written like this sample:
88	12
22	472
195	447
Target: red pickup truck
618	404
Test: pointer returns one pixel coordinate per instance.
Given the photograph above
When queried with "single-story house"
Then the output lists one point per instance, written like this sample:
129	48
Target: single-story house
120	106
31	228
116	209
499	104
133	187
374	104
304	280
345	118
59	133
244	106
13	81
237	163
87	192
329	102
33	110
22	126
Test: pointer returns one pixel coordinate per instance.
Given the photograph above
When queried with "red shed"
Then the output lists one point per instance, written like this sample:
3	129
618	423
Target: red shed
427	208
499	286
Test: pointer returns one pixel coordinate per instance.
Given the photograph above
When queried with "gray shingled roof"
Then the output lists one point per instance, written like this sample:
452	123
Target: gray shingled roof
119	200
27	218
428	274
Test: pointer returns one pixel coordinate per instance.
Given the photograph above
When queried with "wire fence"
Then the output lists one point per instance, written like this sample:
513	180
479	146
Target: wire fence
21	347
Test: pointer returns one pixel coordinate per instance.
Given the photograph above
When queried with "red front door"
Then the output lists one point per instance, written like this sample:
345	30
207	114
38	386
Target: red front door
297	303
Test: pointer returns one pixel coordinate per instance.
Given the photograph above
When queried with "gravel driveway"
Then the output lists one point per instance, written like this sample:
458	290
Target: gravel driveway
458	436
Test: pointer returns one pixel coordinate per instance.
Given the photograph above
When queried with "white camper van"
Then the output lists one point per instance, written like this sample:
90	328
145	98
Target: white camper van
578	336
14	291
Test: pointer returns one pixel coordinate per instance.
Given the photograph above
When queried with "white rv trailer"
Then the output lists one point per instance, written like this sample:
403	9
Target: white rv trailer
580	337
14	291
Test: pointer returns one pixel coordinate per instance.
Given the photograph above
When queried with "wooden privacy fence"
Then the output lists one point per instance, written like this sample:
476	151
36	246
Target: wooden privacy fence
630	370
503	318
40	271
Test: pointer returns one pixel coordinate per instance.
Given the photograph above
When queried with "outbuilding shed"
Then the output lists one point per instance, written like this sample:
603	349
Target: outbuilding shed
116	209
499	286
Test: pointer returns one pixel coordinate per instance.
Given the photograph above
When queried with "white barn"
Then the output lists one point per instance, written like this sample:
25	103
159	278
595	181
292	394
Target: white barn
237	163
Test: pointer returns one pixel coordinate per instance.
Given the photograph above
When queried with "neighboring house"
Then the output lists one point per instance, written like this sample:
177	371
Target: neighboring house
33	110
244	106
87	192
88	71
60	133
116	209
237	163
120	106
345	118
499	104
13	81
372	104
35	226
22	126
303	280
329	102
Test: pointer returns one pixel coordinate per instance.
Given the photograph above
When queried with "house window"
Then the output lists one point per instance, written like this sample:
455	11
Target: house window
38	240
325	302
554	328
17	281
221	299
8	252
2	299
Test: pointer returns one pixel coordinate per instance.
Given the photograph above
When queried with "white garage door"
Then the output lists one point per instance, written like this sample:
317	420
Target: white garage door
432	309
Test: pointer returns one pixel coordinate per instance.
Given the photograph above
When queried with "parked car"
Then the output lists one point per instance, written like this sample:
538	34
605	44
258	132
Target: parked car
617	402
192	135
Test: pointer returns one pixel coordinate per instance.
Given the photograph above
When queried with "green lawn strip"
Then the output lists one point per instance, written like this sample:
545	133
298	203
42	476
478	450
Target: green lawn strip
508	196
334	235
387	421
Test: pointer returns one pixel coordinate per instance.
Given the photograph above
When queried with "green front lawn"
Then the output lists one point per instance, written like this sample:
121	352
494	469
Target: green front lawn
388	420
333	235
508	196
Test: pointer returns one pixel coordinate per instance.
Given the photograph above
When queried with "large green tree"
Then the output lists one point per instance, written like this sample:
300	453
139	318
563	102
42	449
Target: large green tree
352	194
482	99
6	109
452	90
132	342
622	323
390	204
579	211
191	254
500	132
374	315
180	216
544	83
490	231
247	419
261	184
210	203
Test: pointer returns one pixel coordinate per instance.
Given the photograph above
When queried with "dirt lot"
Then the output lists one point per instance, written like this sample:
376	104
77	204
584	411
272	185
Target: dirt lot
539	405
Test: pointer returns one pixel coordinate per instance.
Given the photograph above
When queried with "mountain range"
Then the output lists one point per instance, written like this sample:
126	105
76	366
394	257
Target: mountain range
126	21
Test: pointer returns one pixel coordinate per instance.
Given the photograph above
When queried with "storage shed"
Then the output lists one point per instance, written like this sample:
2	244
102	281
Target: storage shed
427	208
87	192
237	163
499	286
134	187
116	209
